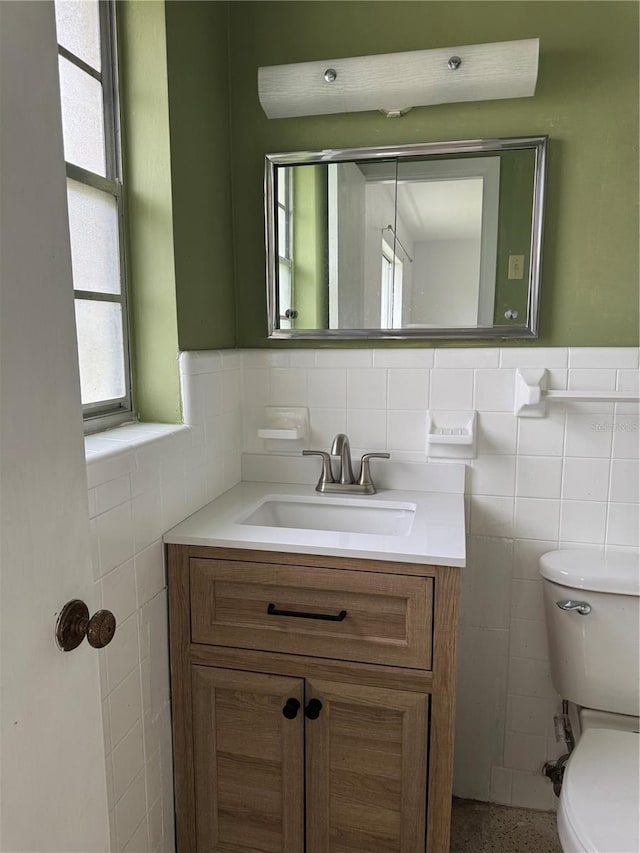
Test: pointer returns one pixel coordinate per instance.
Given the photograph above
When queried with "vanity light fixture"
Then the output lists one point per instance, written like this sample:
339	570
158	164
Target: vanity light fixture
395	82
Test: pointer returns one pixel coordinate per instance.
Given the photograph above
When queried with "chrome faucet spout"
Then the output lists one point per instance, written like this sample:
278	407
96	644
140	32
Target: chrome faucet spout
341	448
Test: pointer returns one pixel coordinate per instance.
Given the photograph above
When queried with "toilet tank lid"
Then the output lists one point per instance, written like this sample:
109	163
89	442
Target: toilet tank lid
600	571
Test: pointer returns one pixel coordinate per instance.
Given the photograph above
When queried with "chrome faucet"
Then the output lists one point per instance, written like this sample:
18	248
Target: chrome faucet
346	482
340	447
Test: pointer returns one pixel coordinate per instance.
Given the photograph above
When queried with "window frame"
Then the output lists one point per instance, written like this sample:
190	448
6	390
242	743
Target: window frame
104	414
391	288
286	260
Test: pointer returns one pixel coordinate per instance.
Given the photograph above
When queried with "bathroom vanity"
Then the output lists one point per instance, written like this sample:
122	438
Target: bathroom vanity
313	673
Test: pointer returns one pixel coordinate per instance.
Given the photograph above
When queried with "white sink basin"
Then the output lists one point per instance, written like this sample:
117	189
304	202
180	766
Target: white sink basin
341	515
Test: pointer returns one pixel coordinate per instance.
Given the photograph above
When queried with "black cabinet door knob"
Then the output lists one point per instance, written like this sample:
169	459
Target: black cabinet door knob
291	708
312	711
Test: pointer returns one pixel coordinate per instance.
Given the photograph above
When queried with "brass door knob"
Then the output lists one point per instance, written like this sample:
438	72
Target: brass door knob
74	625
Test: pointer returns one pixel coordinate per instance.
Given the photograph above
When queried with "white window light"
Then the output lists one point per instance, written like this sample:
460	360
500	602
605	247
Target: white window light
90	119
285	250
396	82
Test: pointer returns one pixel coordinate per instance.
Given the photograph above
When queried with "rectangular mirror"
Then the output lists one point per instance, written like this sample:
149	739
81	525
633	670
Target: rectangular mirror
435	240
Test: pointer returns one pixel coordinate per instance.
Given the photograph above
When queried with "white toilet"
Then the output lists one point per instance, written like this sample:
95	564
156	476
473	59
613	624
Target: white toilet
592	607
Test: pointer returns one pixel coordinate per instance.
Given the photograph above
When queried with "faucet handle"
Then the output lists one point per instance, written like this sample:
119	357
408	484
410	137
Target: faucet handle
365	472
327	473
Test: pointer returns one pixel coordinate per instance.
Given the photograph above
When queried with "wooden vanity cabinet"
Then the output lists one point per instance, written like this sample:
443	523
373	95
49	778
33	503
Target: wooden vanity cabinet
313	702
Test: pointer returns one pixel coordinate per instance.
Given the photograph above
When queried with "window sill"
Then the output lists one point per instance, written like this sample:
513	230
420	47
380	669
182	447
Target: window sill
99	445
112	453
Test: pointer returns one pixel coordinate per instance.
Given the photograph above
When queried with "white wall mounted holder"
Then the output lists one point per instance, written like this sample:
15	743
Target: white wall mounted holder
532	394
530	384
284	423
451	435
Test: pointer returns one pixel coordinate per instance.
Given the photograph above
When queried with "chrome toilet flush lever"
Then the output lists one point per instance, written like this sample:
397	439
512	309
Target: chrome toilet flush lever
346	482
582	607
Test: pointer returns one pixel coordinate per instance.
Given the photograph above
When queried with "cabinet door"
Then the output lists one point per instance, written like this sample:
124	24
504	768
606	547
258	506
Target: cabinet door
366	769
248	762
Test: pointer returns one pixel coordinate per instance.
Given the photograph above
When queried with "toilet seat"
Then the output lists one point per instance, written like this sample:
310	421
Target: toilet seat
599	809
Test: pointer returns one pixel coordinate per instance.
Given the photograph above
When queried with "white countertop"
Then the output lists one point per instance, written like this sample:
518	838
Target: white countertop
437	536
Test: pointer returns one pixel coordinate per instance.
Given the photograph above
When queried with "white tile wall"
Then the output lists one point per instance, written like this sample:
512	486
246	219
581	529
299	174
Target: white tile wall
451	389
569	479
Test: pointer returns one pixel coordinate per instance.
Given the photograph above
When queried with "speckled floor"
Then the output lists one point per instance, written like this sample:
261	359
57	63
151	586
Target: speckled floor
488	828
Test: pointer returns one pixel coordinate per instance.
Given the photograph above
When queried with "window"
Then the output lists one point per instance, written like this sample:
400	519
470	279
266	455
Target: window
391	289
90	123
285	249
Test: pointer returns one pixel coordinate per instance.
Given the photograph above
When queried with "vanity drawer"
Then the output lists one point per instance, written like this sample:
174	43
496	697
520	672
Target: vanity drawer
340	614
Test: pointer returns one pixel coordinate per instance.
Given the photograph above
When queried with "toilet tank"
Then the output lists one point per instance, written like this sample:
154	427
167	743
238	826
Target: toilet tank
595	658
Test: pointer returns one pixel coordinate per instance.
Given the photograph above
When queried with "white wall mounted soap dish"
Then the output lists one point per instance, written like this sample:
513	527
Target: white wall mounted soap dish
284	423
451	435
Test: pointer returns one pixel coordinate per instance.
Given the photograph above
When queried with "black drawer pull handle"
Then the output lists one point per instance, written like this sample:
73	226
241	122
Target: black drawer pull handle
312	711
272	611
291	708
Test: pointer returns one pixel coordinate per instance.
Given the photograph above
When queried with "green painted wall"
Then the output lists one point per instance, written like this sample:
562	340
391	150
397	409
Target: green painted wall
150	262
197	59
310	249
517	171
586	101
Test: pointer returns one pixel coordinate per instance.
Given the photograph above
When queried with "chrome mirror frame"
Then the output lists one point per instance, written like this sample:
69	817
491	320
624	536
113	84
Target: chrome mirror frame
528	330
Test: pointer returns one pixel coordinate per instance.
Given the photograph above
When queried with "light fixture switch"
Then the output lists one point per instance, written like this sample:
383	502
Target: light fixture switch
516	266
